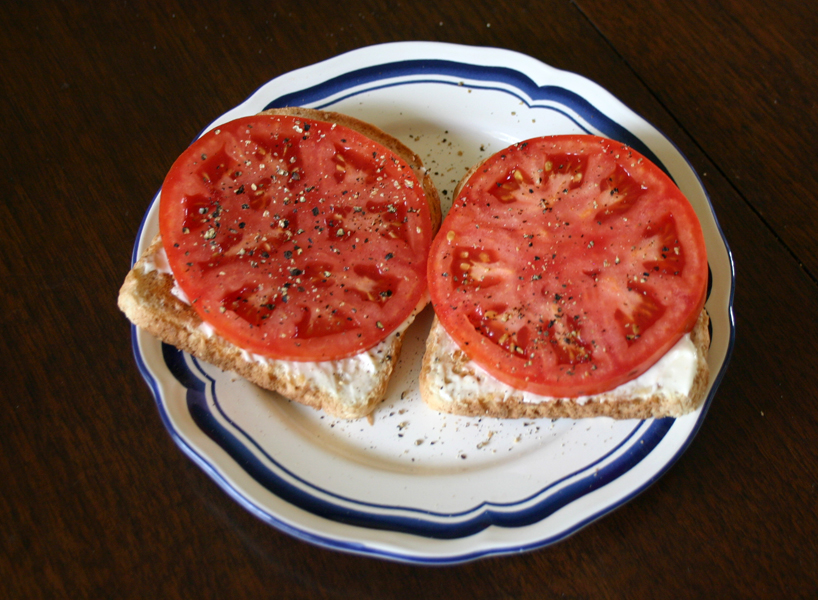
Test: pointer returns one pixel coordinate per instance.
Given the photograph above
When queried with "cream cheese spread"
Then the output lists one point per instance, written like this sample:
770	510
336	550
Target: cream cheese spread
348	380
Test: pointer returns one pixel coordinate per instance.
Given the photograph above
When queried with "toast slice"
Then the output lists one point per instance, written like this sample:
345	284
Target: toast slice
348	388
451	382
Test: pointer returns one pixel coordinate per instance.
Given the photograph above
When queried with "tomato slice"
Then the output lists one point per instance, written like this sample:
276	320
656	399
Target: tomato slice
294	238
568	265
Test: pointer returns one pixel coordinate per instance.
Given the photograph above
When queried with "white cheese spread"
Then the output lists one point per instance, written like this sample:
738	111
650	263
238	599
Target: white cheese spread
348	380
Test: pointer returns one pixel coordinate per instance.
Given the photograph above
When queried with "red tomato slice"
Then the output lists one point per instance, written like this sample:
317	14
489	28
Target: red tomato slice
568	265
296	239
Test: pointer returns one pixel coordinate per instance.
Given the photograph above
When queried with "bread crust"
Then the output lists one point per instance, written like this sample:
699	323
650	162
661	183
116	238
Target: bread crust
441	367
147	299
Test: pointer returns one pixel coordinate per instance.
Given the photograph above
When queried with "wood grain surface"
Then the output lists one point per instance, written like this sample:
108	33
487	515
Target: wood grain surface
98	100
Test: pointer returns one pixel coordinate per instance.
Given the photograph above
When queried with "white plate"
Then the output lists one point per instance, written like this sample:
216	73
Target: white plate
415	485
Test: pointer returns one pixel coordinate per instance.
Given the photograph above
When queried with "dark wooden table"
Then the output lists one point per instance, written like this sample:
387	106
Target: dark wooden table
99	98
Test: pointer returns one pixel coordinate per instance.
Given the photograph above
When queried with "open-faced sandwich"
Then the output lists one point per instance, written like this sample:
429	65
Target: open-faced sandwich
568	280
292	251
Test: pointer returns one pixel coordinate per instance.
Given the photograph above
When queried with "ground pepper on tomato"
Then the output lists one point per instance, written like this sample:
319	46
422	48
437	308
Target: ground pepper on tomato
568	265
276	228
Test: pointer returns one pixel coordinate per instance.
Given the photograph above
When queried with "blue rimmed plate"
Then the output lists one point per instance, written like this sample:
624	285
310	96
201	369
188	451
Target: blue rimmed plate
415	485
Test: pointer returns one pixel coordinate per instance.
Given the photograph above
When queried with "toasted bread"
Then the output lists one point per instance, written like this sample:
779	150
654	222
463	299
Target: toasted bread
348	388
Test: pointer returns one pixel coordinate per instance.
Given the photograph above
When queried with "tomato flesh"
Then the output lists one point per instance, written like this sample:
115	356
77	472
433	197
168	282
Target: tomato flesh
294	238
568	265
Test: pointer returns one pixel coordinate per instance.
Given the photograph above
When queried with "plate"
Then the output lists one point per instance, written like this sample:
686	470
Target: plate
414	485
